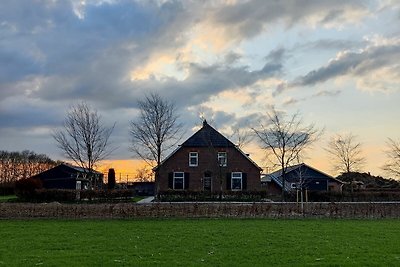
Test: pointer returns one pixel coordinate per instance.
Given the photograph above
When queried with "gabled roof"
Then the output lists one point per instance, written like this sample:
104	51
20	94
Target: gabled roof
277	175
79	169
65	168
207	136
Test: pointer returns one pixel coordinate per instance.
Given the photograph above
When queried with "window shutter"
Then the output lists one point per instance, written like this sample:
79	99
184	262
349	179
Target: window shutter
244	181
186	180
228	181
171	180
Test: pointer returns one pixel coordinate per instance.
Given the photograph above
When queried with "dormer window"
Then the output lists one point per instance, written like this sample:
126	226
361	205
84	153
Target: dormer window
222	159
193	159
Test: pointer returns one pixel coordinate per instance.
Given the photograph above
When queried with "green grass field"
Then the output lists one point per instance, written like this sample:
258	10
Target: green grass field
203	242
7	198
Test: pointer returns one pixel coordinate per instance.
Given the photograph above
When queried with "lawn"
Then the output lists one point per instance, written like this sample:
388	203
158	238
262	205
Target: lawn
7	198
203	242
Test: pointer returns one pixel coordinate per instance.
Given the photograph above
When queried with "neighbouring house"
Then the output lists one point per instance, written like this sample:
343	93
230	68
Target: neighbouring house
208	162
66	176
141	188
301	176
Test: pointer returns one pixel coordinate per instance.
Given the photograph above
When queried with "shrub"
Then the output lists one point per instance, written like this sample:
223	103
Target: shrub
106	195
187	195
7	189
111	179
357	196
61	195
25	188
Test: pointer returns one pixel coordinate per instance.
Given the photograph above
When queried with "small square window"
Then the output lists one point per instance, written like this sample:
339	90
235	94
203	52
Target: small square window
193	159
222	159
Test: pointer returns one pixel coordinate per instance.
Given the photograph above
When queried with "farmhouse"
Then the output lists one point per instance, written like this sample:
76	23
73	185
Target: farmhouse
301	176
208	162
66	176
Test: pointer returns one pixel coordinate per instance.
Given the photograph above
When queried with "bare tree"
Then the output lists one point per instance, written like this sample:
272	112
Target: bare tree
144	174
241	136
83	138
392	167
346	153
285	138
156	130
19	165
302	186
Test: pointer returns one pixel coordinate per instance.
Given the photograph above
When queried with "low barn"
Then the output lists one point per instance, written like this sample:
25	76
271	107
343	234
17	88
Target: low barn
301	176
142	188
65	176
208	162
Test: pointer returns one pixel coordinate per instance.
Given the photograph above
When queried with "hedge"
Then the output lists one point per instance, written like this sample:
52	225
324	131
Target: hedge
187	195
67	195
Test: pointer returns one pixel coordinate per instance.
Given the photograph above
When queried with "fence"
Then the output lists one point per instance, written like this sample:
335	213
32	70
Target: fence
364	210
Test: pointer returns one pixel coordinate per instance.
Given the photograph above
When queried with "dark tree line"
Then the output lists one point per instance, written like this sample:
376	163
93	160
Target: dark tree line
19	165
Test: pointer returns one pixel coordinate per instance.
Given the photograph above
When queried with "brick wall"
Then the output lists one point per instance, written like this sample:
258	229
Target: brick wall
198	210
207	161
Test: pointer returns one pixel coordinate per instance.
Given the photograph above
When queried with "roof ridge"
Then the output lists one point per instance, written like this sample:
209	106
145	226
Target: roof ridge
208	136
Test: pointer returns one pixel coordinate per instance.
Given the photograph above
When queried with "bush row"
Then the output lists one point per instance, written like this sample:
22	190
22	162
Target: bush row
360	196
65	195
7	189
180	196
256	196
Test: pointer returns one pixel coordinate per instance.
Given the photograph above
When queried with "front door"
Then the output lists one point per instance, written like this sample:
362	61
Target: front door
207	182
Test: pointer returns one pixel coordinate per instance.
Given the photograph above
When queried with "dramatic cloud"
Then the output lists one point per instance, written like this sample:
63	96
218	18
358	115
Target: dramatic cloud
247	19
227	60
381	55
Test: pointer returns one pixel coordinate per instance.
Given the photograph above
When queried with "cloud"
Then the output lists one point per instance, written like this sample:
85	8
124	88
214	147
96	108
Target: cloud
23	112
91	52
331	44
110	53
291	101
203	82
380	53
327	93
247	19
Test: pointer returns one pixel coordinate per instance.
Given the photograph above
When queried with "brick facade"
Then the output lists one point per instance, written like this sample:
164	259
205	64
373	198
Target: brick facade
205	145
208	163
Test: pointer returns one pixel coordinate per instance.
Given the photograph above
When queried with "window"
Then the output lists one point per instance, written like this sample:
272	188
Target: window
179	180
236	181
193	159
222	159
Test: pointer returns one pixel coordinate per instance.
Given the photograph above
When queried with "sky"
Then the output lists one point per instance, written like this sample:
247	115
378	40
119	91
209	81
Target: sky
337	63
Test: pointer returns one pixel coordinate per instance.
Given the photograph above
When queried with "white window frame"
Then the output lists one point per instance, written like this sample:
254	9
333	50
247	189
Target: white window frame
193	155
236	176
175	176
222	157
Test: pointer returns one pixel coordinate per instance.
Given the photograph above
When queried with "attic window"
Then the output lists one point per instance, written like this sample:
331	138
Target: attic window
222	159
193	159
